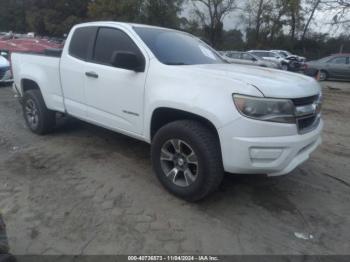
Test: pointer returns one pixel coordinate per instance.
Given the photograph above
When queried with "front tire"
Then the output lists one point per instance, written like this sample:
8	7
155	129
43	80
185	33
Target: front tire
323	75
187	160
39	119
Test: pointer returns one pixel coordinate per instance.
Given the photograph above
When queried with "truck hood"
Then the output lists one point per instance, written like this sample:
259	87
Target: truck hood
4	62
270	82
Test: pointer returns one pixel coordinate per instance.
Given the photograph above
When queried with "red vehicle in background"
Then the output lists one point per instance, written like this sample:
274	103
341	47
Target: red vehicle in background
10	43
27	45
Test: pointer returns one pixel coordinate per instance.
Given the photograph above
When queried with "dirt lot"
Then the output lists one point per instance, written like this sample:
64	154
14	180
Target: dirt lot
85	190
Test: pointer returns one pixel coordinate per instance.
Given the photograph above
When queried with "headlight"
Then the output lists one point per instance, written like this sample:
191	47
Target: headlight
266	109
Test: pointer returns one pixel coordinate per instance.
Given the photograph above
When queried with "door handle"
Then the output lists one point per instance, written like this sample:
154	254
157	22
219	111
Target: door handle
91	74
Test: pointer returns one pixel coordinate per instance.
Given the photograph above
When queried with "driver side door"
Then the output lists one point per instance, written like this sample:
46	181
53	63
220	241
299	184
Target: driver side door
114	96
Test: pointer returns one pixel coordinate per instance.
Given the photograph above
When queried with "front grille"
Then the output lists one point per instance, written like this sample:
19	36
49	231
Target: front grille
3	71
309	122
305	101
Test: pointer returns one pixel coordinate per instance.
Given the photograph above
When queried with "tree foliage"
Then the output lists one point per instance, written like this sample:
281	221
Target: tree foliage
211	14
117	10
162	12
12	15
54	17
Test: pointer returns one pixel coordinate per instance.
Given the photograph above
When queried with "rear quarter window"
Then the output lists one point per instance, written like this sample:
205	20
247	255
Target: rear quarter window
342	60
82	42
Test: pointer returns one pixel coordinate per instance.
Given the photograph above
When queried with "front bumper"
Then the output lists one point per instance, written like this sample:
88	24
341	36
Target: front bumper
274	156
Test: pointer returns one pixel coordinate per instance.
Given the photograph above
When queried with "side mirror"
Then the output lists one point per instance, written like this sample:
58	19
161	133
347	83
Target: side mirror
254	59
128	61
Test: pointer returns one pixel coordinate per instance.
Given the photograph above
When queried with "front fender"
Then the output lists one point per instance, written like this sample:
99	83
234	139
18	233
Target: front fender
207	96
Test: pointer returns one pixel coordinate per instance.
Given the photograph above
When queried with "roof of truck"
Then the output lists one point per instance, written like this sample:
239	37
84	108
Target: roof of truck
130	25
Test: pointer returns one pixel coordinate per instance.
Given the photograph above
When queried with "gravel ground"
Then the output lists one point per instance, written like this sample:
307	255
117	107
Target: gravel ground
85	190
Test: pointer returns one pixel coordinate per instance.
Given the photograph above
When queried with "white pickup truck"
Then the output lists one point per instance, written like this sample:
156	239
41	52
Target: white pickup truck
202	116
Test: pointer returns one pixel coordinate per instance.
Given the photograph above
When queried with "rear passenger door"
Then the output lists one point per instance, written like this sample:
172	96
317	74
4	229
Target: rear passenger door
72	69
115	96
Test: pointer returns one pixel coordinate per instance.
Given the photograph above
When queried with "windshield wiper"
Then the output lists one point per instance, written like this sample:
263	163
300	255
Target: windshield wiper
178	63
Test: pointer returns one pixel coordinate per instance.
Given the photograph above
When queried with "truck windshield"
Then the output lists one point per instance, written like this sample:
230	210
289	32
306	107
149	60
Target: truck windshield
177	48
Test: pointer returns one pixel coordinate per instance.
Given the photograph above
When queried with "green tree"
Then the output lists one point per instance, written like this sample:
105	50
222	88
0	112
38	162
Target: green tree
115	10
162	12
54	17
294	10
12	15
211	14
232	40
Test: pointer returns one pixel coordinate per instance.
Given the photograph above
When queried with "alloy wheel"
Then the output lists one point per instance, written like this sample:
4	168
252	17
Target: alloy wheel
32	113
179	163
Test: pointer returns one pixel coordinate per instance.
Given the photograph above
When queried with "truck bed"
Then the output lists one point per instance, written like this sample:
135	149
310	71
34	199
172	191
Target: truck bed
44	70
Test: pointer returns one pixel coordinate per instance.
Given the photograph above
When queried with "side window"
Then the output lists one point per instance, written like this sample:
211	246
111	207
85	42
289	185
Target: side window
247	57
338	60
81	42
235	55
109	41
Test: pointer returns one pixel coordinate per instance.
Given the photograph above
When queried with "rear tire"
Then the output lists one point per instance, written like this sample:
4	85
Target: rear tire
187	159
39	119
285	67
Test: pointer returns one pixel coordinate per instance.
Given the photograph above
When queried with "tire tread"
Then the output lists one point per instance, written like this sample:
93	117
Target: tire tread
47	117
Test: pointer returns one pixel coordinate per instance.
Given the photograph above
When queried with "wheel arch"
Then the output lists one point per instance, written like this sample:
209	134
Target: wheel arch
324	70
29	84
165	115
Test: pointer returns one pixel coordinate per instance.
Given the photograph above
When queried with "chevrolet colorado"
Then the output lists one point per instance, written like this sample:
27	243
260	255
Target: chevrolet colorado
202	116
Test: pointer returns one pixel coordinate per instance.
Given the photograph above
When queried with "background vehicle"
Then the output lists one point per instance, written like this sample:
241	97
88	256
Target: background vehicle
5	70
289	55
29	45
201	115
248	59
296	63
332	67
271	56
